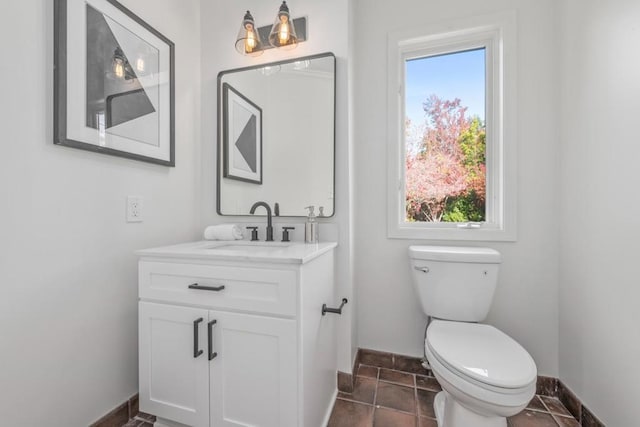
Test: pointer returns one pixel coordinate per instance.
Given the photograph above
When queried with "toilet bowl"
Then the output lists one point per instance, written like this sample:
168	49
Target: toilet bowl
485	375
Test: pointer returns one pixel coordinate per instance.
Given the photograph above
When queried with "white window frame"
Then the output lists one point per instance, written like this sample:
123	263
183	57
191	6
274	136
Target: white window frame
497	34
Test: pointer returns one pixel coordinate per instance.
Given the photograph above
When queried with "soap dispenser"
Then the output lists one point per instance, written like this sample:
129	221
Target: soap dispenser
311	227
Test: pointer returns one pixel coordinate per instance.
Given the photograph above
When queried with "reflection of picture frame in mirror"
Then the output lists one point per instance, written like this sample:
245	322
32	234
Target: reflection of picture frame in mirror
297	132
113	82
242	136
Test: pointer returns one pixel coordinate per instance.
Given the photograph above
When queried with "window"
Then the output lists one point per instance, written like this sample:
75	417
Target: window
452	131
445	137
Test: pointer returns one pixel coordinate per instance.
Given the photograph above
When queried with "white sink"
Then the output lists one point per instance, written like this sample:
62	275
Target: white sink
240	247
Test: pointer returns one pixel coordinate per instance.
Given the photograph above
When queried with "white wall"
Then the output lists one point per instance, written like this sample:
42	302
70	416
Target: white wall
599	293
327	32
525	305
68	275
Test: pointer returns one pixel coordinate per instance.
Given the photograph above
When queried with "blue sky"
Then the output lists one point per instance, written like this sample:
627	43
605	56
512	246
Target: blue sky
458	75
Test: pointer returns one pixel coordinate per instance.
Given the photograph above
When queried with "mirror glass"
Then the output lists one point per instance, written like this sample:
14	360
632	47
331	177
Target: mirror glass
276	127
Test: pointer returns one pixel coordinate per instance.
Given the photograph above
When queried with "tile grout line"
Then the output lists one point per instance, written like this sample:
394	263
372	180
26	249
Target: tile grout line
555	414
555	419
544	404
375	395
415	396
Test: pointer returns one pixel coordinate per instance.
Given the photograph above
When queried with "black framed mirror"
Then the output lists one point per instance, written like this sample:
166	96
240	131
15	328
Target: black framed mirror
276	136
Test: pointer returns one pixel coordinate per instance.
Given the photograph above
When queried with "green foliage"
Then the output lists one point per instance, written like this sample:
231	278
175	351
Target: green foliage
454	215
467	207
473	143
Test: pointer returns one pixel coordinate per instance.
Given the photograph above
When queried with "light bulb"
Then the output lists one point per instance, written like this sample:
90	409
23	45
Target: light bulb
283	33
250	42
118	69
140	65
119	63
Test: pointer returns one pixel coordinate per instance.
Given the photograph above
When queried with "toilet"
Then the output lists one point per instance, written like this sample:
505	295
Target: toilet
486	376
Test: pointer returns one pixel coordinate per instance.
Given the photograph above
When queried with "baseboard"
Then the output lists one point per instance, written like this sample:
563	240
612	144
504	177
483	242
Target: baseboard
124	413
554	387
330	409
347	380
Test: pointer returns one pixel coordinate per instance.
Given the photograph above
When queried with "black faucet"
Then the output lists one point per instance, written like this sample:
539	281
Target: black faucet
269	225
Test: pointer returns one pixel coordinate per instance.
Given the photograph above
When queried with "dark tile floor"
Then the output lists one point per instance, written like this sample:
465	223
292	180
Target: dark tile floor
141	420
393	398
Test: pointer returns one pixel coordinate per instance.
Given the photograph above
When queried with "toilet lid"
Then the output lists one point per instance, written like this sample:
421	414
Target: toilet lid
481	352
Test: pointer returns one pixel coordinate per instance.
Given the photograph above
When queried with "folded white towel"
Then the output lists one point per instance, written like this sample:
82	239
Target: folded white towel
223	232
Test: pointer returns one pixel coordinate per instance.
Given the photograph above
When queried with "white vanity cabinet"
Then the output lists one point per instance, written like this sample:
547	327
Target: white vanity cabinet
232	339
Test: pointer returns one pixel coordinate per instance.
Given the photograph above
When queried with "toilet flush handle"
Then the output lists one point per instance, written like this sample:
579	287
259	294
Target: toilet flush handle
423	269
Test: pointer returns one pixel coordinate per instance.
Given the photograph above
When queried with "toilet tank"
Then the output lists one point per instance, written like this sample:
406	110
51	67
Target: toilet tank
455	283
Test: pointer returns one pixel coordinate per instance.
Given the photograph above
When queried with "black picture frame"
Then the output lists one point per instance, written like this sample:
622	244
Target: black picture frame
141	128
242	147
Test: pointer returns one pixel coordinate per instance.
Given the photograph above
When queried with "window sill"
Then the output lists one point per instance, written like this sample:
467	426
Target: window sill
422	232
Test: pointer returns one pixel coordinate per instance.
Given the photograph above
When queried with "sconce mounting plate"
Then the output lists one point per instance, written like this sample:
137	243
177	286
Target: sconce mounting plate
301	31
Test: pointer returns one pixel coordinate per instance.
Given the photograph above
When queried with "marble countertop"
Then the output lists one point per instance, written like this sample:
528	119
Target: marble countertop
243	250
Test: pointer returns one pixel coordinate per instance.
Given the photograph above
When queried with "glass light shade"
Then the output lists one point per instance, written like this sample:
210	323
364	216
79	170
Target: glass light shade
248	41
283	33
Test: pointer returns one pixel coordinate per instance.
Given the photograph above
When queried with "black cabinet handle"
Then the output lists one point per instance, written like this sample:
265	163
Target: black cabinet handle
196	352
212	354
207	288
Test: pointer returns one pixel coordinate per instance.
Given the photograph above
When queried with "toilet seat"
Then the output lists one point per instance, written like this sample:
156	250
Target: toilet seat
482	355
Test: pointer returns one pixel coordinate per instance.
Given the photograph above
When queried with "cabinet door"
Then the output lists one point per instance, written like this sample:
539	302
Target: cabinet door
174	376
254	375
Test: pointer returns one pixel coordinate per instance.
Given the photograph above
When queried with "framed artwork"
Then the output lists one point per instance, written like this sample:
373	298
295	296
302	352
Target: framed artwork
113	82
242	136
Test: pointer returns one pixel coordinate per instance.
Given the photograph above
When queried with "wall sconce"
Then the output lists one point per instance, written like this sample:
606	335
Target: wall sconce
119	63
248	41
284	33
120	66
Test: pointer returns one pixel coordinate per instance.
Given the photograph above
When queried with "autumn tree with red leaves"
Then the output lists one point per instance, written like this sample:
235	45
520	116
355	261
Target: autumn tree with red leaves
445	165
